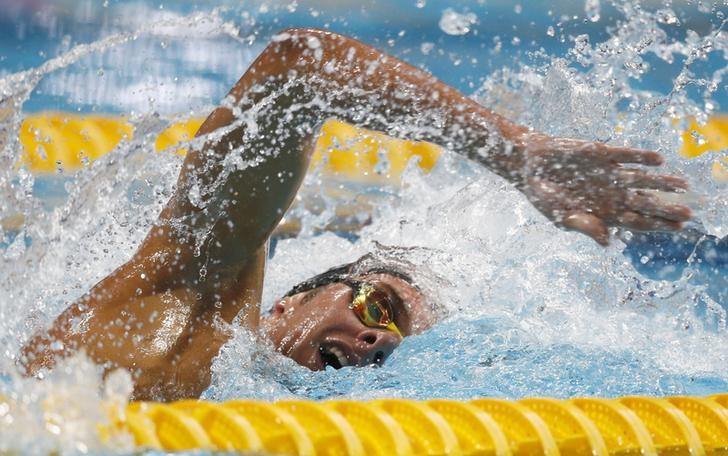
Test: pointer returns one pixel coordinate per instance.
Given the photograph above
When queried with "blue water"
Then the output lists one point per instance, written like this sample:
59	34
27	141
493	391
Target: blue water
28	37
491	360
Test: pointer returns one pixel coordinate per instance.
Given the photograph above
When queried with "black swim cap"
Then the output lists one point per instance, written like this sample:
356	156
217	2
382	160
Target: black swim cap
367	264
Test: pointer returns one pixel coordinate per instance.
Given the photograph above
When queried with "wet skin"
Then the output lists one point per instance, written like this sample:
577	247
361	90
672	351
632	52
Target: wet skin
318	328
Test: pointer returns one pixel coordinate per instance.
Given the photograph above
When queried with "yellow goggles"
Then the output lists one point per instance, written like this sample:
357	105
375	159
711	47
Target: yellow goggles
372	306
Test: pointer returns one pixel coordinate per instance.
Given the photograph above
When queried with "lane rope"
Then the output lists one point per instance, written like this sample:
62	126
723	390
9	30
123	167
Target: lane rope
65	142
626	425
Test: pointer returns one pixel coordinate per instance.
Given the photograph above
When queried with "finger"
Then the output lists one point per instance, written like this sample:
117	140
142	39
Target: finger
630	155
647	204
640	179
642	222
589	224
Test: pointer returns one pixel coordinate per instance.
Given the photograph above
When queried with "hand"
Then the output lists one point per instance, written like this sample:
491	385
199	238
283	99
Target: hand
583	186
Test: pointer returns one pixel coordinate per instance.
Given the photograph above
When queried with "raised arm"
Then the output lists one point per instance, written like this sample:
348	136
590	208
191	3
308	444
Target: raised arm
306	76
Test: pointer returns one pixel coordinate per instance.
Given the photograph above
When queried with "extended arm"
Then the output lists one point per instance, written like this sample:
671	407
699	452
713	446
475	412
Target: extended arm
306	76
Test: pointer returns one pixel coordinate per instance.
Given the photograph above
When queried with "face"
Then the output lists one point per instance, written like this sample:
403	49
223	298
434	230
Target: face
318	328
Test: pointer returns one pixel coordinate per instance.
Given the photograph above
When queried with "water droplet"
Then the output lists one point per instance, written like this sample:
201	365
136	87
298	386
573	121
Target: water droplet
592	8
698	138
41	152
454	23
313	43
581	43
280	37
426	47
667	16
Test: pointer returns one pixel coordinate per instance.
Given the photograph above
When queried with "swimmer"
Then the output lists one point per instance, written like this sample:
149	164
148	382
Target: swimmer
162	315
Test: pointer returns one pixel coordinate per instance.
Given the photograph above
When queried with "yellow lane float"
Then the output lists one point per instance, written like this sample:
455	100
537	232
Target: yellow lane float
60	142
66	141
712	136
63	141
587	426
54	142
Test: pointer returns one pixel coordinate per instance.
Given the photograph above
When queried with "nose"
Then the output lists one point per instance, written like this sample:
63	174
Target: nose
375	345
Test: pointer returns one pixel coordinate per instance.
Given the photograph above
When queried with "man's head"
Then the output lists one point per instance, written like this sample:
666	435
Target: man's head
351	315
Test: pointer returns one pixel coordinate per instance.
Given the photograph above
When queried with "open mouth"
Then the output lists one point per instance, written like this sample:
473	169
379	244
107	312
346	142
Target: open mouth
332	356
378	359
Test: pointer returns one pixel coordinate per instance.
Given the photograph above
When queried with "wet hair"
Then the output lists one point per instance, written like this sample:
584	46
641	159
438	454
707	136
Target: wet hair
408	263
338	273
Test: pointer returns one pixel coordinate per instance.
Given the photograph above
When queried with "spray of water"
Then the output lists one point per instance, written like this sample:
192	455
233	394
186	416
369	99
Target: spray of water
532	310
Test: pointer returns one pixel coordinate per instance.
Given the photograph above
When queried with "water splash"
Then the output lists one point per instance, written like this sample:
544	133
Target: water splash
585	317
454	23
63	412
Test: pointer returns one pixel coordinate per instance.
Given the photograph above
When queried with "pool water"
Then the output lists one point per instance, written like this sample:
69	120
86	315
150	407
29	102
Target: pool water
532	310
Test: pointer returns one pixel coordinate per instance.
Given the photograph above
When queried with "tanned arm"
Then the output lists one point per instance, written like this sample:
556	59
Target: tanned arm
162	315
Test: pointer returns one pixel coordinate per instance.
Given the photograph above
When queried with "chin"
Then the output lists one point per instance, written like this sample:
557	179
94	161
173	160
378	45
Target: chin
311	361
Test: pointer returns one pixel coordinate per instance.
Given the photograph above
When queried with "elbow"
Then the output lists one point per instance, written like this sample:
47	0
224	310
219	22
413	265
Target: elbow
286	51
296	48
304	33
298	39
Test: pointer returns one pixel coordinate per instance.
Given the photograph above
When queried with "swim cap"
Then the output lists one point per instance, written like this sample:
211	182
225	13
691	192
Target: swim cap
408	263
